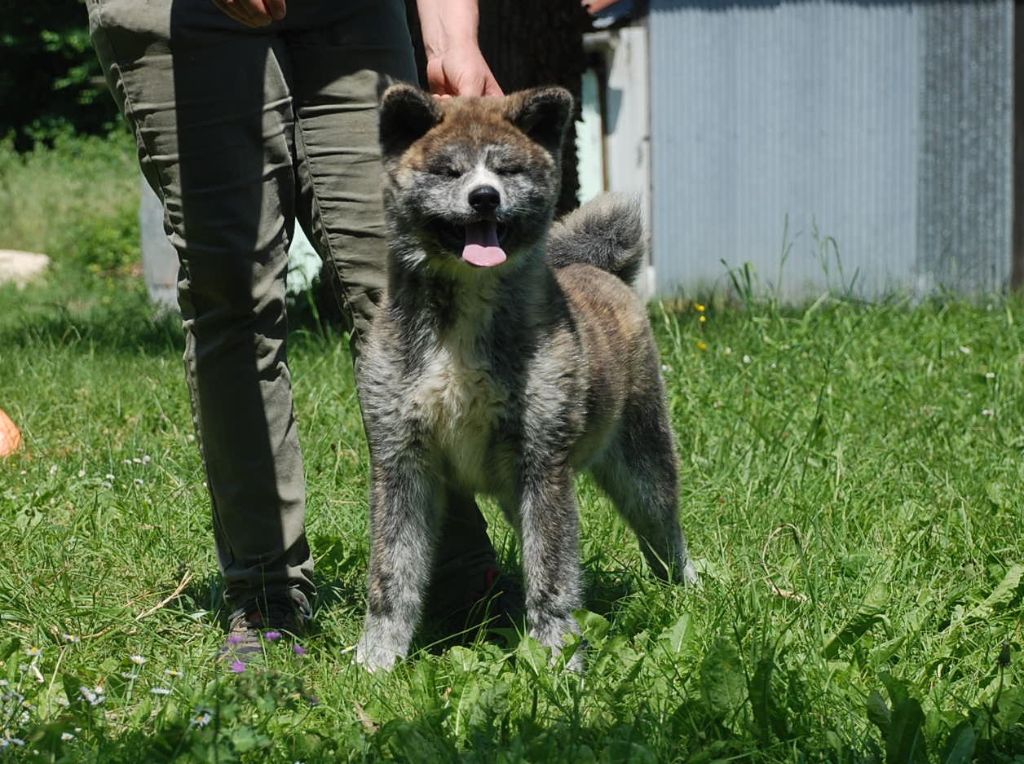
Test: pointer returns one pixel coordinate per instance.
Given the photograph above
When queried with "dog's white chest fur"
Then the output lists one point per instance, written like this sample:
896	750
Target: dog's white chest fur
458	402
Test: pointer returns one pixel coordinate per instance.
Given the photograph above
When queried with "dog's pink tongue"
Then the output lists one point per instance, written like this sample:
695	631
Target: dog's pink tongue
482	248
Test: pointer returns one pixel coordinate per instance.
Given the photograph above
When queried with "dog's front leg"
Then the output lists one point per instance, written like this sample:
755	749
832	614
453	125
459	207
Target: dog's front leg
403	509
549	524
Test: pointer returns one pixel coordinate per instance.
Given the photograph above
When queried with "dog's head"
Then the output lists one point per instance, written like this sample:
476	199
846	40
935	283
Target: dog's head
474	180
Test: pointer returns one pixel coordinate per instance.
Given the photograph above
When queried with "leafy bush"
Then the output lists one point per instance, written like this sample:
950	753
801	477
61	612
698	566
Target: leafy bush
106	245
51	78
76	201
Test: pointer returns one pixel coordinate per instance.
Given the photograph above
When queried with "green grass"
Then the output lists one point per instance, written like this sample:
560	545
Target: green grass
851	488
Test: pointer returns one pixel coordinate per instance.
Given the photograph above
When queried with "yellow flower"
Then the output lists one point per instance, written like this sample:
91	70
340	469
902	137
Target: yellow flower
699	307
702	345
703	319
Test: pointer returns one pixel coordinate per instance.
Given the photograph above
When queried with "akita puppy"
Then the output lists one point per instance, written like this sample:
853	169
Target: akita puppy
507	354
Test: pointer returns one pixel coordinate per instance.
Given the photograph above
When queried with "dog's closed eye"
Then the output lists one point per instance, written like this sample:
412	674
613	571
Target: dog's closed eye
446	170
509	168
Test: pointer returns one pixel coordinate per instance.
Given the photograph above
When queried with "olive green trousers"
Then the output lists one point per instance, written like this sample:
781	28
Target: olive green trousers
241	132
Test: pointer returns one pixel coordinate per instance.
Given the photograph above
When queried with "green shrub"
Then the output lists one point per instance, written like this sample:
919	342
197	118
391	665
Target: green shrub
105	245
76	201
51	78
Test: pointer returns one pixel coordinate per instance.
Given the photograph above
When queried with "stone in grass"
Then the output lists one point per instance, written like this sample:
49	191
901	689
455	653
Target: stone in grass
21	267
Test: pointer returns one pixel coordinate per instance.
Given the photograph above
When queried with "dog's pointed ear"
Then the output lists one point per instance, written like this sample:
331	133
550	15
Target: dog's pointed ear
406	114
542	114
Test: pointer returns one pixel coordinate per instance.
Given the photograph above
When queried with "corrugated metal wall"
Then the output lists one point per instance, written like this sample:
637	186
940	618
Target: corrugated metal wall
778	128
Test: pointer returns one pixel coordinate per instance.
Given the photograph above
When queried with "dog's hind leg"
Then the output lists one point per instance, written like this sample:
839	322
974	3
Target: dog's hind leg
638	472
404	505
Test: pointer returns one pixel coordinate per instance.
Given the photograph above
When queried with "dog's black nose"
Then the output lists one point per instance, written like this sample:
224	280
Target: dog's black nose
484	198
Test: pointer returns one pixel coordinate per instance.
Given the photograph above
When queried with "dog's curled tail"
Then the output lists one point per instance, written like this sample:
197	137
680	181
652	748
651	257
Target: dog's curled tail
607	232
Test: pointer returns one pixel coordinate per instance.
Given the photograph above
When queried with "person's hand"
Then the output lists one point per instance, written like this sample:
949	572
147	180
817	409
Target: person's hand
253	13
461	71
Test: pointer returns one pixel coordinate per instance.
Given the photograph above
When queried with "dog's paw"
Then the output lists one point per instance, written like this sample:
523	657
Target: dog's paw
554	634
380	648
376	657
690	576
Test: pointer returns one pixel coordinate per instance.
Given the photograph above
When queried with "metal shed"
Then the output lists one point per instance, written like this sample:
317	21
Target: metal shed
864	146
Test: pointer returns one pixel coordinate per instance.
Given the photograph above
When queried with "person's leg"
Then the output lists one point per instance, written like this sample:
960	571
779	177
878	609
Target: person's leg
340	66
210	109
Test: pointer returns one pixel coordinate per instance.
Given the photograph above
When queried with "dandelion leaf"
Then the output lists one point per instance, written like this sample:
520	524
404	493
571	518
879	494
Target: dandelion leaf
905	743
960	745
723	684
870	612
1004	594
769	715
878	712
675	636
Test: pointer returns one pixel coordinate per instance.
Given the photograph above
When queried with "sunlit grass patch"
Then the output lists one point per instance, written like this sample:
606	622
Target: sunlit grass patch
851	487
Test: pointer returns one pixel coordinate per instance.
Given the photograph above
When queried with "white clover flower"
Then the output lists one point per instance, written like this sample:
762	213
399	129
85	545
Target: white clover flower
965	350
747	359
159	691
138	660
81	473
93	697
146	459
66	736
990	375
988	412
137	481
53	469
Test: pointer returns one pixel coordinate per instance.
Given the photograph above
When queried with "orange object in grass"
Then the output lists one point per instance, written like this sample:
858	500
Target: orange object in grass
10	435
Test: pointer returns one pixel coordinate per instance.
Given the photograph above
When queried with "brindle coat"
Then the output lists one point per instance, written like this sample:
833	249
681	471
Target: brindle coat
505	380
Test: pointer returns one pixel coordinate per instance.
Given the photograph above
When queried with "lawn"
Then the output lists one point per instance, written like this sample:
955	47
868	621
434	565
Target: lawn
852	491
